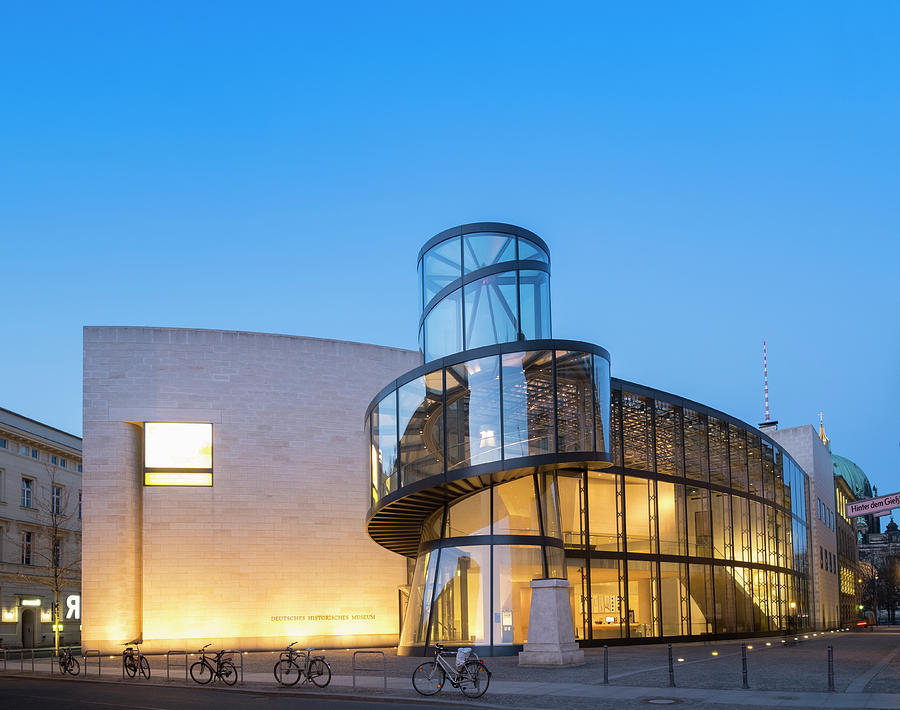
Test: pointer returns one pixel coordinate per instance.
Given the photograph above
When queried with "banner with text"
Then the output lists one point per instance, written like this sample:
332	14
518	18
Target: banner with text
873	506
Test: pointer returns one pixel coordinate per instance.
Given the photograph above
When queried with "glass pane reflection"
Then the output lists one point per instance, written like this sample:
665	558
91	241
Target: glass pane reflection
473	413
491	310
485	249
461	610
441	266
528	403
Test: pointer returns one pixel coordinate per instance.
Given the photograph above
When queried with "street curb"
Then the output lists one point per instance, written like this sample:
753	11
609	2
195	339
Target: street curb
265	690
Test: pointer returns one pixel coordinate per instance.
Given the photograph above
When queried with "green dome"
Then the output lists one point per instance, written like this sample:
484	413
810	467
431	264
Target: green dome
853	475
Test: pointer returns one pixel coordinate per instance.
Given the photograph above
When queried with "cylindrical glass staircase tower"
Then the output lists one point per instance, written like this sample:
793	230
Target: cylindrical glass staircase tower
469	450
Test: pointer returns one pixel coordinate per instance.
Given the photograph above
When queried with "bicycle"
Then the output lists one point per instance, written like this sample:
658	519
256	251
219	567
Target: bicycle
68	663
202	671
132	662
314	669
472	677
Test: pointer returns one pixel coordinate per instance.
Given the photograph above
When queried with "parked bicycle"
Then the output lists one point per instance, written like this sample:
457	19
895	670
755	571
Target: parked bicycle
68	663
292	665
203	670
468	673
133	660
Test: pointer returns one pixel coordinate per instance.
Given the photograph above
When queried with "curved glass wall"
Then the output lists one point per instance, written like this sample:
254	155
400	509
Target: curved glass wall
470	300
472	582
700	529
673	542
496	408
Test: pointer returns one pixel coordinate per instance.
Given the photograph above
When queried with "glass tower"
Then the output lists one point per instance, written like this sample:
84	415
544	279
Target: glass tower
503	459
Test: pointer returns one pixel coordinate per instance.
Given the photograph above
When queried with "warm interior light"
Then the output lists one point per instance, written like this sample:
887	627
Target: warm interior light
177	445
488	438
31	602
157	478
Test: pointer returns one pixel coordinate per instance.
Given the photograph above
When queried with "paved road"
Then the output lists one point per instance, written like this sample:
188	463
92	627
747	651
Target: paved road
45	694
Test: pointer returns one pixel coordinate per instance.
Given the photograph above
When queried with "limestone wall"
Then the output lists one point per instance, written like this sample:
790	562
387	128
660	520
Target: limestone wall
276	549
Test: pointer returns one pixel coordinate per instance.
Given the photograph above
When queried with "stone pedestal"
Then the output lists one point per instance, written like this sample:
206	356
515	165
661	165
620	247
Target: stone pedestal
551	637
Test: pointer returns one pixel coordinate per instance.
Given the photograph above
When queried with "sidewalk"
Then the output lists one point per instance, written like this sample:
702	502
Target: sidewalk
866	671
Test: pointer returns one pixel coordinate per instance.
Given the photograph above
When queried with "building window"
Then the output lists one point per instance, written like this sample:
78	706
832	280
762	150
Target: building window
54	460
27	493
34	453
26	548
79	505
23	449
56	500
2	487
177	454
79	468
2	443
62	463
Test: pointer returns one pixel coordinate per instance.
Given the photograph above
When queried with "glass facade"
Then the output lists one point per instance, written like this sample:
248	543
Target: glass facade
482	288
650	550
489	409
524	460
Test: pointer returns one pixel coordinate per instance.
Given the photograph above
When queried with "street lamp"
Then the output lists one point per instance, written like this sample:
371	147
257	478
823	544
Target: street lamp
794	617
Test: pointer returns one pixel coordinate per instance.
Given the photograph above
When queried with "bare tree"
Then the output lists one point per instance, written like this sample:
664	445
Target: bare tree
55	545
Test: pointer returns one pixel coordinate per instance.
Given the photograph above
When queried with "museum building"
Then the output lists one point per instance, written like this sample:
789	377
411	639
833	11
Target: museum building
510	456
223	472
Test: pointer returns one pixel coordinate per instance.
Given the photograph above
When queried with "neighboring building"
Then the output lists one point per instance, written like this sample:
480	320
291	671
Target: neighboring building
223	499
879	556
850	484
40	502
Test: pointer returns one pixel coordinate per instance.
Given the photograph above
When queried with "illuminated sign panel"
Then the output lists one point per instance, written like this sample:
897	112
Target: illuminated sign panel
177	454
73	606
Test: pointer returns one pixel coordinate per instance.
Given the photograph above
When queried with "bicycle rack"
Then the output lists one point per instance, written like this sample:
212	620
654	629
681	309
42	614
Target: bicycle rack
22	660
177	653
382	670
240	656
137	659
86	656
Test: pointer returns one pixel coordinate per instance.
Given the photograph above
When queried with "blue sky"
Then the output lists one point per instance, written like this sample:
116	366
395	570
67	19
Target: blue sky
706	175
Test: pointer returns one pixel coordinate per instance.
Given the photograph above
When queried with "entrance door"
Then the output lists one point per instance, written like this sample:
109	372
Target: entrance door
27	628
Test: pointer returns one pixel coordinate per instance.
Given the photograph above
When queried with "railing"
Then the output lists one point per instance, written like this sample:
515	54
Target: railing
87	656
169	654
364	669
240	656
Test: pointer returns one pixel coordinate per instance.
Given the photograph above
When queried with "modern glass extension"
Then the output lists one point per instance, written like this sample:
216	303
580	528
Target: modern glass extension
510	456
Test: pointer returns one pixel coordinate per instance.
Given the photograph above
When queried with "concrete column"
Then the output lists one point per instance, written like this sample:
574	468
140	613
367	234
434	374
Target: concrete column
551	637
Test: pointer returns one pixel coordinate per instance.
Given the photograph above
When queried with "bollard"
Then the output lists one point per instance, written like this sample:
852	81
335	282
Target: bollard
605	664
831	668
671	669
744	684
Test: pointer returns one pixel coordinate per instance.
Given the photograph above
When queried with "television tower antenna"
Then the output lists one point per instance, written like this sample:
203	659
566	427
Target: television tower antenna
766	379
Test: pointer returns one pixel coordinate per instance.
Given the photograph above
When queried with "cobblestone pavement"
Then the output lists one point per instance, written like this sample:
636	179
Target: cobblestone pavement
866	674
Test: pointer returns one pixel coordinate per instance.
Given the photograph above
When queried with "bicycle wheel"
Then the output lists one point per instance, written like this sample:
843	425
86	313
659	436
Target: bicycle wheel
428	678
228	673
145	668
474	679
319	672
130	665
73	667
286	672
201	672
